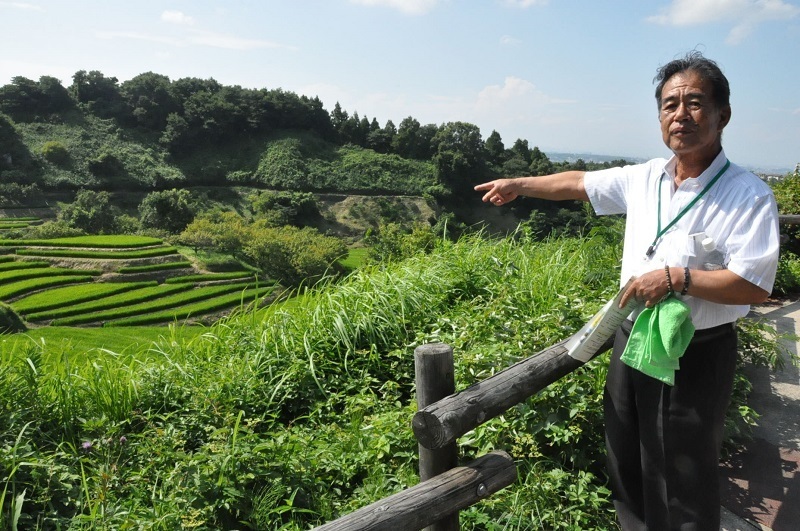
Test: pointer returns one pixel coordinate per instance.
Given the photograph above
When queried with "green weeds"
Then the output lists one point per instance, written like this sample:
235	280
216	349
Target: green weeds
288	417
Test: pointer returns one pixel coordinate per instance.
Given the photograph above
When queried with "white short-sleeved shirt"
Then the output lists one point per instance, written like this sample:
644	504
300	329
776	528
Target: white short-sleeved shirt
739	212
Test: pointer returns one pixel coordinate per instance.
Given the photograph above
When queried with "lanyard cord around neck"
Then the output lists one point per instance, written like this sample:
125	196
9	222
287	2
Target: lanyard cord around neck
659	231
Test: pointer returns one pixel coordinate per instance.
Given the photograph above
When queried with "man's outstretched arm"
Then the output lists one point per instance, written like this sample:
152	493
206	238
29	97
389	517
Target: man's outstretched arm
555	187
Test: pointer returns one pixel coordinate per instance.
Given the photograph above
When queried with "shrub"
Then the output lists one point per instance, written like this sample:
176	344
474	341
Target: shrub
55	152
291	255
106	165
787	194
15	193
10	322
91	212
392	241
52	229
225	232
285	208
787	279
168	210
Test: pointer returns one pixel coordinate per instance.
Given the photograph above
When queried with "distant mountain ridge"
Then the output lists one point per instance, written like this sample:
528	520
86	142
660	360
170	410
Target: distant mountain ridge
589	157
594	157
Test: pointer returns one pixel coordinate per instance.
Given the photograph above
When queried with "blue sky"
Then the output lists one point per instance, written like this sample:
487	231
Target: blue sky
566	75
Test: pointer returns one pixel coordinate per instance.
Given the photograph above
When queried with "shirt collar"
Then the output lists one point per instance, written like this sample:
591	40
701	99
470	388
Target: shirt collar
703	178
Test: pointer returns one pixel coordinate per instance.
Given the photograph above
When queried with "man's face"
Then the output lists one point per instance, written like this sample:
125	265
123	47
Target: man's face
691	122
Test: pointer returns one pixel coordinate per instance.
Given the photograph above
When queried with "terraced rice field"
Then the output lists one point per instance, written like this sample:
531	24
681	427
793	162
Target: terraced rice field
7	224
115	281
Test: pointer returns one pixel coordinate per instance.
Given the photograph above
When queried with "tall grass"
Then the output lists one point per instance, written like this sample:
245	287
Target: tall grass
287	418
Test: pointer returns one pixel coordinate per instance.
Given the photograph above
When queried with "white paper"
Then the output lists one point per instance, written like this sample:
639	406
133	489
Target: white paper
583	345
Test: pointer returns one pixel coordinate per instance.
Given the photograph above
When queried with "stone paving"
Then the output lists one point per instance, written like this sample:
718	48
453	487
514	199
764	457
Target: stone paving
761	480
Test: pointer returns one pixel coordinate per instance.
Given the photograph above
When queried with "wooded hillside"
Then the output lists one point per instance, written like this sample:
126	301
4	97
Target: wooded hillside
151	133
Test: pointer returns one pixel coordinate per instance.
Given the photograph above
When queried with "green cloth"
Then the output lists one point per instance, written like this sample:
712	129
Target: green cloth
659	338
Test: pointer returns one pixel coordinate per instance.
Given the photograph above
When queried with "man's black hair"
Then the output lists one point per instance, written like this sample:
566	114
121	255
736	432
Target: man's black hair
708	71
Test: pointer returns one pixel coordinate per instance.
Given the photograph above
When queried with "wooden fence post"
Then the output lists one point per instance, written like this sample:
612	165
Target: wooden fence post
435	379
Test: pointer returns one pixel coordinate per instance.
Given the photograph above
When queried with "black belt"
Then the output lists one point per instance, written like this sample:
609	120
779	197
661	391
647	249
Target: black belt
715	332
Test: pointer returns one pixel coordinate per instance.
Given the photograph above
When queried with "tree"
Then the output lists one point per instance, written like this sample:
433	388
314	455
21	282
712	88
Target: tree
106	165
199	234
515	167
495	150
426	147
91	212
291	255
339	120
406	140
228	231
19	98
55	97
99	93
176	136
25	99
521	150
540	163
459	155
295	208
380	139
151	100
169	210
394	242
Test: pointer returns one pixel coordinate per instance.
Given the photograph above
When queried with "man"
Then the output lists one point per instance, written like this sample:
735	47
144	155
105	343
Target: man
663	441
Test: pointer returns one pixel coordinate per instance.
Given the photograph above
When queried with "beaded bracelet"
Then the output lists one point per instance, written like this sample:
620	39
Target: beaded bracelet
669	280
686	280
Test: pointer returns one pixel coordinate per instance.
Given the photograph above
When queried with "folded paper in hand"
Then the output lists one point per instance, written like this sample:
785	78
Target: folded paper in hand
587	341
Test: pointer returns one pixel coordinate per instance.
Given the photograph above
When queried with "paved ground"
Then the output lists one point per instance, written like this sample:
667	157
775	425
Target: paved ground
761	480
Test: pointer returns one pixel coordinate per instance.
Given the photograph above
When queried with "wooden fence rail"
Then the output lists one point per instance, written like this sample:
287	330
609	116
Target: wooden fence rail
443	422
441	419
430	501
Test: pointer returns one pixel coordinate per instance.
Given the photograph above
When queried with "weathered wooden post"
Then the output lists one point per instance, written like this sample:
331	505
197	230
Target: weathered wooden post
430	501
435	379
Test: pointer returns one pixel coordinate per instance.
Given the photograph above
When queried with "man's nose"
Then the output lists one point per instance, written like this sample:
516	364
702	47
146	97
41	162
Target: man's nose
682	112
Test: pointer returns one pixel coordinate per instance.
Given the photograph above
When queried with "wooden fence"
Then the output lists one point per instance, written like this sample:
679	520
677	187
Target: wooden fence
442	417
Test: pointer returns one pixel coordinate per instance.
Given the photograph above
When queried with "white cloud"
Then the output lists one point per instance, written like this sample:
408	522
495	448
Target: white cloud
177	17
22	5
196	38
508	40
744	14
516	108
132	35
524	4
409	7
231	42
514	93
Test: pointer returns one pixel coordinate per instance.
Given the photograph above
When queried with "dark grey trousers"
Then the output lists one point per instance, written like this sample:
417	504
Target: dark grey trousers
664	441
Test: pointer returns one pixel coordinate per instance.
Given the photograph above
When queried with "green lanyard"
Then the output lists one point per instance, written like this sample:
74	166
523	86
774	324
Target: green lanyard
659	231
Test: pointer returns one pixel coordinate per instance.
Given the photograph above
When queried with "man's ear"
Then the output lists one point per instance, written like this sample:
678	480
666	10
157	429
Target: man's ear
724	117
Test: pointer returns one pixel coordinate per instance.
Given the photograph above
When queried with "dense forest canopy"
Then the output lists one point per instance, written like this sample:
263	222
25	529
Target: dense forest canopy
151	132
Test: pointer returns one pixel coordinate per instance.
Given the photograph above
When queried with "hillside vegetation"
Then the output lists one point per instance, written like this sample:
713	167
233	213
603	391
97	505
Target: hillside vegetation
151	133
